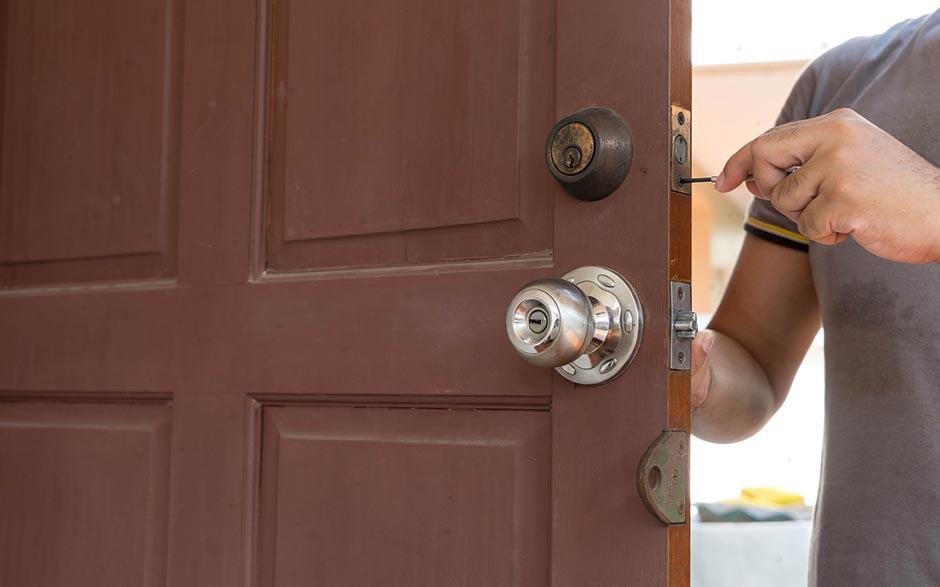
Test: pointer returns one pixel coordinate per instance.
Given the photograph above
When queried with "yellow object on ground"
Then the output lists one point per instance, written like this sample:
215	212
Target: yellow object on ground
767	497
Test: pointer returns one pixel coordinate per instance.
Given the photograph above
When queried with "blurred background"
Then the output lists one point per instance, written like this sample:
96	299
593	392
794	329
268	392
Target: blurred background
746	56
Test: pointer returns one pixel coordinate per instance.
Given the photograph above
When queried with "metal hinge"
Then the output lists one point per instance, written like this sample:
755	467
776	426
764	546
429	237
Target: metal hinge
662	478
680	160
684	325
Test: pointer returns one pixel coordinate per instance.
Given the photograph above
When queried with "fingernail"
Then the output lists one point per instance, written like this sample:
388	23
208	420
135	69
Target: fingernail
720	182
708	341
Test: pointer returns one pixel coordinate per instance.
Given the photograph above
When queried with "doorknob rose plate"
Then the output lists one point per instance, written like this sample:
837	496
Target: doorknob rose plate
590	153
586	325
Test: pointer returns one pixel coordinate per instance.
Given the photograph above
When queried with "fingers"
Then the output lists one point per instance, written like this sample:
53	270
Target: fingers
824	221
769	156
794	192
822	207
736	170
817	147
755	191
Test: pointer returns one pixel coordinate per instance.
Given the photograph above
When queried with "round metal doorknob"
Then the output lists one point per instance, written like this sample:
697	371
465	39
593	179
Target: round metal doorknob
587	325
590	153
550	322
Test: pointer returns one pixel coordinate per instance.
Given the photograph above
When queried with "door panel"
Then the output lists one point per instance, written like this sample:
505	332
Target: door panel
355	192
89	141
406	132
428	497
89	505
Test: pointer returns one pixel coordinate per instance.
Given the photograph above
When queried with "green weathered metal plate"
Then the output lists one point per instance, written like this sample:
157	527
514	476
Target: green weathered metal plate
662	478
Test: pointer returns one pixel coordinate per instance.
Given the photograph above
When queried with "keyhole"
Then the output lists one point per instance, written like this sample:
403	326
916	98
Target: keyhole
571	149
537	321
572	157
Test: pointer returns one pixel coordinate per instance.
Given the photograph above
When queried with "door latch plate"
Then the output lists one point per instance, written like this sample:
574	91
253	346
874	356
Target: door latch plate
680	150
684	326
662	477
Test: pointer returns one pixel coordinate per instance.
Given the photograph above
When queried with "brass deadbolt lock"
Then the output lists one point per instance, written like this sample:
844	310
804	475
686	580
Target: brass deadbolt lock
590	153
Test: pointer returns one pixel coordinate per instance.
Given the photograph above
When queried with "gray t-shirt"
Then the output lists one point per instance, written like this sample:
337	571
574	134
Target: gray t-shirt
878	513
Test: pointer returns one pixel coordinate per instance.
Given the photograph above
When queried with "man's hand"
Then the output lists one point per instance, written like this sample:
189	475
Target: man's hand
854	180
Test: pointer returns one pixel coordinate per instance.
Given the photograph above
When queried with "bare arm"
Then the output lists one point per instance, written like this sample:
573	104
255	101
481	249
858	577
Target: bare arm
852	180
755	342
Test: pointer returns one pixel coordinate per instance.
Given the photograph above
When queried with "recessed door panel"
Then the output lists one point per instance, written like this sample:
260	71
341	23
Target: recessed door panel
88	103
406	132
84	494
418	497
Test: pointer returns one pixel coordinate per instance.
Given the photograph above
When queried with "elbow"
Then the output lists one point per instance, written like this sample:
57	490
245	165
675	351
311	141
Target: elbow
746	419
736	410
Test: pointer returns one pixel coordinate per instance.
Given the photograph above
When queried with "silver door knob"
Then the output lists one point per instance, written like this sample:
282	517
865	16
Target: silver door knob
587	325
550	322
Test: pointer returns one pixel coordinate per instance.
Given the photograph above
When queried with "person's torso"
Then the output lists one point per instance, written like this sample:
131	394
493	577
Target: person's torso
878	521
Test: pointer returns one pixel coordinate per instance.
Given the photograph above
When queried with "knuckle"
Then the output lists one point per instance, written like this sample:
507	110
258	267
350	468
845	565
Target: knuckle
842	189
785	192
842	124
844	113
844	222
793	184
785	134
842	155
760	146
811	223
805	225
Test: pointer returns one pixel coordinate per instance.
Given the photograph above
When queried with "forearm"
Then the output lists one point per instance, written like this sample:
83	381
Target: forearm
744	377
740	398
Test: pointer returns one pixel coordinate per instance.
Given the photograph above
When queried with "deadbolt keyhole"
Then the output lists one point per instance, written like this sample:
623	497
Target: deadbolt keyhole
572	148
572	157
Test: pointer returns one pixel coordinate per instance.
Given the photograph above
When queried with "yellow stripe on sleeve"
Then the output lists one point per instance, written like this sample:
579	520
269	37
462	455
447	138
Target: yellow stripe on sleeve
777	230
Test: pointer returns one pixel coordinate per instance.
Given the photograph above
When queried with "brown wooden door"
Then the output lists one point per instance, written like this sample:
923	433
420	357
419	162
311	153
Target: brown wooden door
256	257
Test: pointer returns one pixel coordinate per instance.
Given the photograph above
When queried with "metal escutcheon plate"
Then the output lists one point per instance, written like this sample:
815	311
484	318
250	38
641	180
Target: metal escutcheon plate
623	306
590	153
662	477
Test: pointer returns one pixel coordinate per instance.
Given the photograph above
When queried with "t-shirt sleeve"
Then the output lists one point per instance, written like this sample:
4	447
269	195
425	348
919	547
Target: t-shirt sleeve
763	220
